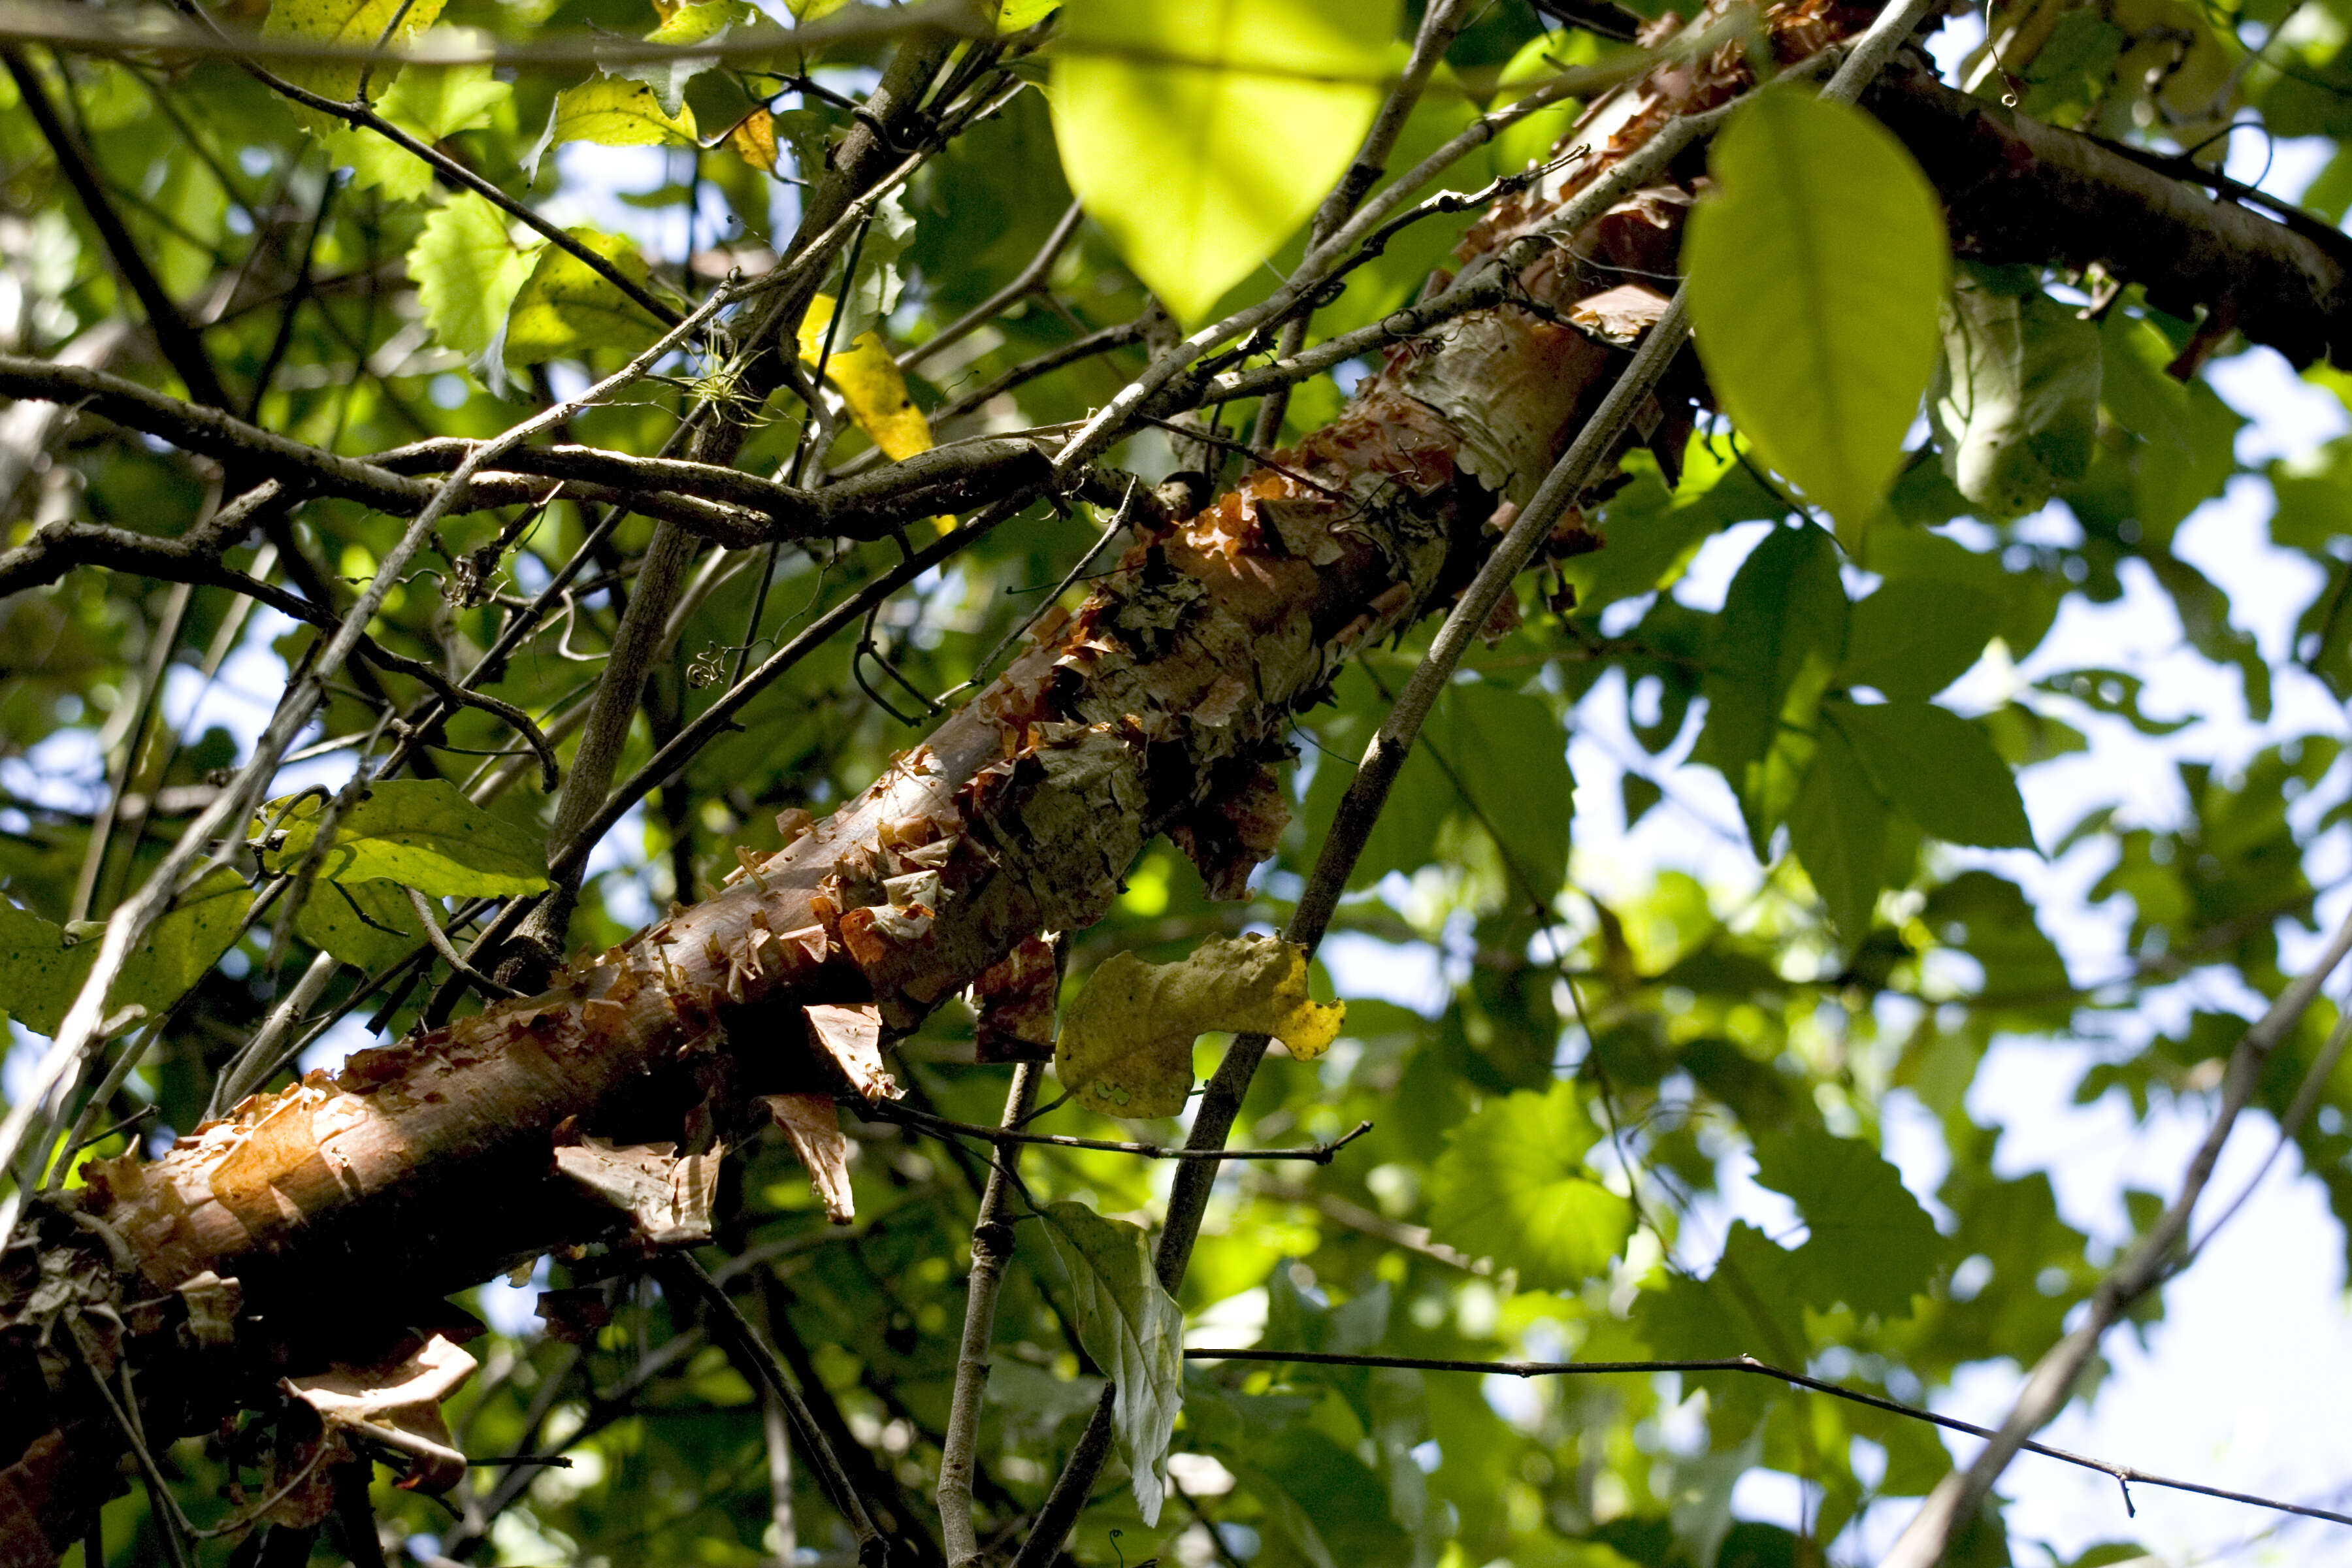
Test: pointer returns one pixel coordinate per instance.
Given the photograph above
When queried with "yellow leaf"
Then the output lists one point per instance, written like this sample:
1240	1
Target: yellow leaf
1126	1046
754	141
869	383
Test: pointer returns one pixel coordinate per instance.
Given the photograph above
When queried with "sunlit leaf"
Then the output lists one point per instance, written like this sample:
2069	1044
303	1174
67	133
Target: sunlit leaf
567	309
467	271
1815	271
868	376
357	23
1126	1045
1513	1187
1201	132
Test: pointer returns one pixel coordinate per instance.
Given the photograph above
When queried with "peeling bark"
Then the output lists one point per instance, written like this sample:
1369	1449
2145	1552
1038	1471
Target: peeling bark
1160	707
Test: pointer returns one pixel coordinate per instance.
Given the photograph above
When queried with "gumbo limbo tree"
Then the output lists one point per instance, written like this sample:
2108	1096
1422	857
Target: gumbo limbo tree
1014	526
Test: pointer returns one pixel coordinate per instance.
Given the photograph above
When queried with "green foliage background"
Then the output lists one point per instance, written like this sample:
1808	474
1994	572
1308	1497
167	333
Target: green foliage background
1601	1061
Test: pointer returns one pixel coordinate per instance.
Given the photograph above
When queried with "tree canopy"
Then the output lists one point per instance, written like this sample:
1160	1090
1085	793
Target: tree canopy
818	678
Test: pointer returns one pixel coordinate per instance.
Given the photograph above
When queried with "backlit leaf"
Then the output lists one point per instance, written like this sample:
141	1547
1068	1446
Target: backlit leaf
612	111
1126	1045
1815	271
468	272
1134	1331
1871	1245
704	23
868	376
357	23
429	102
567	309
1195	163
1513	1187
422	834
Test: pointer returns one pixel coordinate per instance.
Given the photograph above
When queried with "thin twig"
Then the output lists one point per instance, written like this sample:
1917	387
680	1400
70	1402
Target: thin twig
727	1325
992	1245
1025	283
2123	1474
1318	1154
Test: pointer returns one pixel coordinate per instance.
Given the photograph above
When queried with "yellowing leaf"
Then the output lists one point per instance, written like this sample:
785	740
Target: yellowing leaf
754	141
1126	1046
869	382
612	113
359	24
1201	132
1816	274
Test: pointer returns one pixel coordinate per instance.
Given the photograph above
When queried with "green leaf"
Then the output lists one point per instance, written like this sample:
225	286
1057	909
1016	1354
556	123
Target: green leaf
568	309
1838	830
611	111
2016	398
1194	157
40	974
1912	638
429	102
1989	919
1782	633
703	23
369	925
1815	271
2188	448
1939	770
1872	1246
1513	1187
422	834
359	24
1132	1328
468	272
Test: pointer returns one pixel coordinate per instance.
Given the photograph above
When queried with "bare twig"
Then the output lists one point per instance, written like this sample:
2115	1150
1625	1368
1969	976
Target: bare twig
728	1325
2125	1475
1317	1154
992	1244
2051	1383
